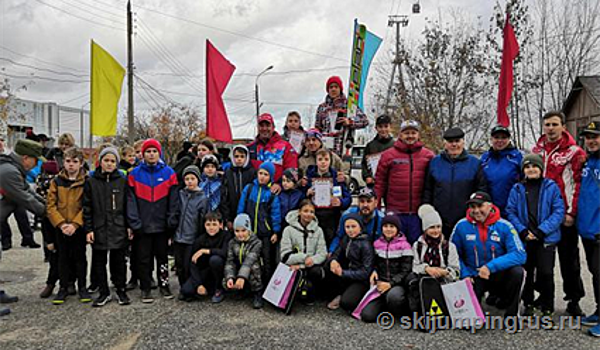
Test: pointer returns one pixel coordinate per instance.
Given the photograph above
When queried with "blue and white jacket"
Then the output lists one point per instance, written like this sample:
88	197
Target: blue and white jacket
502	170
588	216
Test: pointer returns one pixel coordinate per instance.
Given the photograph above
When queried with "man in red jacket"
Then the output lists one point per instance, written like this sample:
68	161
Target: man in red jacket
269	146
563	162
401	175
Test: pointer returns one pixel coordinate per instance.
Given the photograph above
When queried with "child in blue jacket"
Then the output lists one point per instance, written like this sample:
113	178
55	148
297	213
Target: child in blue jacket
290	196
536	210
264	210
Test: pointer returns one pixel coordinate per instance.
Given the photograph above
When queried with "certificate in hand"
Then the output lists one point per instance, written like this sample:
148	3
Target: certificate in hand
323	188
373	162
296	140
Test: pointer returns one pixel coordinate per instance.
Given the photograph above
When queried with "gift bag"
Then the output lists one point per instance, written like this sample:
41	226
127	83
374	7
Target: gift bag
462	304
370	295
280	287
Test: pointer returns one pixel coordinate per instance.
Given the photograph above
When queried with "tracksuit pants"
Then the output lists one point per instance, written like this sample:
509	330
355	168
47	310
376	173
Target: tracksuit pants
540	274
117	265
150	246
205	273
506	284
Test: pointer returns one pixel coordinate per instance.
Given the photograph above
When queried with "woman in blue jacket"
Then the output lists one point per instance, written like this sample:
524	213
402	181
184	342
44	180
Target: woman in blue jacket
536	209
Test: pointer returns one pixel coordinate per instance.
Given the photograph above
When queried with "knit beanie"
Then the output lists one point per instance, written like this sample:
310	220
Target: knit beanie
269	167
151	143
314	133
291	174
357	218
209	159
334	79
533	159
109	150
391	218
192	169
242	220
429	217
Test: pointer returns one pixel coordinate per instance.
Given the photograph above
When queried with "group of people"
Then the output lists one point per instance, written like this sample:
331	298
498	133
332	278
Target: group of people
497	220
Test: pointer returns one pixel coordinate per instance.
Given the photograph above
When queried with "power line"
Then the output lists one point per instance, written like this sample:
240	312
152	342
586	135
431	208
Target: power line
74	99
43	69
87	11
40	60
35	77
119	14
80	17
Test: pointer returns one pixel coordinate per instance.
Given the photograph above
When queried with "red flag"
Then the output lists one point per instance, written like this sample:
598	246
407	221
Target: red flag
218	72
510	50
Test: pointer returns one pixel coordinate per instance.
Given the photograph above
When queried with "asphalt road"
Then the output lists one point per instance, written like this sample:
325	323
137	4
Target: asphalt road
170	324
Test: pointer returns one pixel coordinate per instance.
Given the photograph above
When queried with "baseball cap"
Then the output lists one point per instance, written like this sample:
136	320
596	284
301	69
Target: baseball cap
367	192
479	197
500	129
383	119
266	117
592	128
410	124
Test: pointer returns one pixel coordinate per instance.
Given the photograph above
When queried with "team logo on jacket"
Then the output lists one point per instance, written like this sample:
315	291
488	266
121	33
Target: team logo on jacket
561	159
470	237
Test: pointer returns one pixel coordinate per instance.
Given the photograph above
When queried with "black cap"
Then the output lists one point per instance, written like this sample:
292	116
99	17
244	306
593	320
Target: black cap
366	192
383	119
500	129
43	137
454	133
592	128
479	197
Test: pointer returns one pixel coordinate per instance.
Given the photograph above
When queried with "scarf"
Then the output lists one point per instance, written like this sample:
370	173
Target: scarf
432	255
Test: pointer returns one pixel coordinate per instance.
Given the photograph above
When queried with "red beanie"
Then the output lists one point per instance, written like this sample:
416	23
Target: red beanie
151	143
334	79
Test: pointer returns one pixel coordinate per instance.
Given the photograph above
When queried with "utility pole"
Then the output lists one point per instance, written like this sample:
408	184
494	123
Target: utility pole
130	120
256	89
396	20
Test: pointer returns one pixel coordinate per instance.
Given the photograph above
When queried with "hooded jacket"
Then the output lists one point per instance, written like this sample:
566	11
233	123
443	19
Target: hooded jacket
372	227
563	163
550	213
452	266
289	201
393	259
104	209
356	256
148	201
234	181
14	189
263	207
377	145
277	151
243	261
495	243
299	242
450	183
187	212
65	199
502	170
401	176
588	216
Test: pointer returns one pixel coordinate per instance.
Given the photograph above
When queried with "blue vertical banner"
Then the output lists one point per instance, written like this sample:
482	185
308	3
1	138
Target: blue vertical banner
372	43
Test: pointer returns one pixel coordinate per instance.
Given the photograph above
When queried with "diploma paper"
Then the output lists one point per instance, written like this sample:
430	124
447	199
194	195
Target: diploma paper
322	189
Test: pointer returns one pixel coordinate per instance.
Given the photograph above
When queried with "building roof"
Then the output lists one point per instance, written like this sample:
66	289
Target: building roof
590	83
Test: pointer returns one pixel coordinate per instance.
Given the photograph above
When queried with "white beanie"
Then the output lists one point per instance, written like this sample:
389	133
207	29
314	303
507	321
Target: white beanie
429	217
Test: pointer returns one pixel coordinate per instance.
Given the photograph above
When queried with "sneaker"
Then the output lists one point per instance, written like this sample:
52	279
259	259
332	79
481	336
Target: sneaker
217	297
573	309
84	296
4	312
101	300
335	303
590	320
7	299
594	331
131	285
147	297
31	244
60	297
166	293
257	303
71	290
93	289
47	291
123	298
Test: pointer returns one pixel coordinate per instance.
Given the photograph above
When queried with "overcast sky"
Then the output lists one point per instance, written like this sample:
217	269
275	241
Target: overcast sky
51	39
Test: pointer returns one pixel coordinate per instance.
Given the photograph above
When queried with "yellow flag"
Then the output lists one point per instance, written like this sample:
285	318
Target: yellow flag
106	81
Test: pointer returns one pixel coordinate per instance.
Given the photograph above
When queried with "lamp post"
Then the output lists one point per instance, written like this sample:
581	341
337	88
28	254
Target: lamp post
256	89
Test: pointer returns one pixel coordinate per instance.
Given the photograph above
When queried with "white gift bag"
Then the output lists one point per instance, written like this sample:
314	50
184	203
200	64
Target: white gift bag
463	306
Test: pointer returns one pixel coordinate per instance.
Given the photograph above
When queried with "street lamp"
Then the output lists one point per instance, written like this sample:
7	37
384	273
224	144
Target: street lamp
256	89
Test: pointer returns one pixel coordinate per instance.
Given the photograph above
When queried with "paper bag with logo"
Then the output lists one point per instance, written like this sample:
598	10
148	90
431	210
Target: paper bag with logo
280	286
462	303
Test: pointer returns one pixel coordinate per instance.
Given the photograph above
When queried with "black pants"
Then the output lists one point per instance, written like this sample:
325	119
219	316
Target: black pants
150	246
209	275
72	261
392	301
506	284
328	221
540	274
570	264
118	269
53	274
133	261
268	255
351	291
592	256
23	225
183	259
